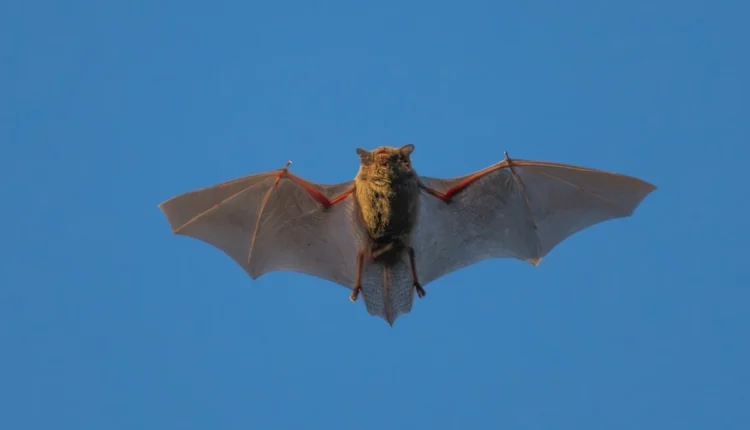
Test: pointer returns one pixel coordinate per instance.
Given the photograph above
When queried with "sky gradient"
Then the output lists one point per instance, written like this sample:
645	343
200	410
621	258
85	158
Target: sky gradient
108	321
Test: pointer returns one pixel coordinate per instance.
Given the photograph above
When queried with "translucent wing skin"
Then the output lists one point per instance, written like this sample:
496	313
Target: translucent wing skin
388	290
275	221
514	209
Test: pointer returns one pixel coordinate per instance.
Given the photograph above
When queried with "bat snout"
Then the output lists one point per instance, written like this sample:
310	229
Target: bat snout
382	156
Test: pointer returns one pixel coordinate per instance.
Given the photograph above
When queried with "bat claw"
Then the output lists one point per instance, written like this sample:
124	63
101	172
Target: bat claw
420	291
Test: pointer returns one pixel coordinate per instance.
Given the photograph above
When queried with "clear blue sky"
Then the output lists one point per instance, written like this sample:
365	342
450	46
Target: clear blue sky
108	321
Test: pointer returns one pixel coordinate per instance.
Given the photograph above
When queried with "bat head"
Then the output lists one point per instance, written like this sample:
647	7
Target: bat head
386	160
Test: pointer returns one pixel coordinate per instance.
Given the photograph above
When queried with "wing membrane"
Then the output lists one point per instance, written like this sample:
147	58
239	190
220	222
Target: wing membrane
269	222
516	209
567	199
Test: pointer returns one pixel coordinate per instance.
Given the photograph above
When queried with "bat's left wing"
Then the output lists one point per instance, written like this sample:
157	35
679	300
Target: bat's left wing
275	221
515	209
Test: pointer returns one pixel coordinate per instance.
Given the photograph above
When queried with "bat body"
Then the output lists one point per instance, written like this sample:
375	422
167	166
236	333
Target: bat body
390	232
387	194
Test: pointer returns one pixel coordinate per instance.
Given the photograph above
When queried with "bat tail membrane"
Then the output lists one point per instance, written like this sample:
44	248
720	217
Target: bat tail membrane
388	290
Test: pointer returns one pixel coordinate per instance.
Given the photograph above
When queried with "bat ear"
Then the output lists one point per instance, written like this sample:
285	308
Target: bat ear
364	154
407	149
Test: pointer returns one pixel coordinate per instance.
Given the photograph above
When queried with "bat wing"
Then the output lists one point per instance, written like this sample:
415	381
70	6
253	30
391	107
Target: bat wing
515	209
275	221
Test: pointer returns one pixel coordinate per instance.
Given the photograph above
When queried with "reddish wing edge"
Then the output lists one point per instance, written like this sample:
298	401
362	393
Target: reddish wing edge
464	181
515	208
274	221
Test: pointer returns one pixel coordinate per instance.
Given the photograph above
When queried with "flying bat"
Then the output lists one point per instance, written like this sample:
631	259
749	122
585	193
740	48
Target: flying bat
390	232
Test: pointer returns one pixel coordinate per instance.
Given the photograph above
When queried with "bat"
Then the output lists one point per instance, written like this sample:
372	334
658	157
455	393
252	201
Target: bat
390	232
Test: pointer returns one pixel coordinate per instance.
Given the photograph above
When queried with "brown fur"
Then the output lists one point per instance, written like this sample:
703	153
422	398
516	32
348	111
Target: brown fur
387	192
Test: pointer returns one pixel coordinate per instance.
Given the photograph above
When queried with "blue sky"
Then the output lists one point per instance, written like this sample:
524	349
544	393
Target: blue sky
108	321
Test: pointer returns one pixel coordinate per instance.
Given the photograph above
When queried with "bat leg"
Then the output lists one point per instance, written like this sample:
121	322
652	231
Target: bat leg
420	291
358	283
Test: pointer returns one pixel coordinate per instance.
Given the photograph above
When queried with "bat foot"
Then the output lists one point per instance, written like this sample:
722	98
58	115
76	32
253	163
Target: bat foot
420	291
355	293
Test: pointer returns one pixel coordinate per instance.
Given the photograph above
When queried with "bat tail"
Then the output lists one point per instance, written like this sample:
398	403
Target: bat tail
388	290
387	296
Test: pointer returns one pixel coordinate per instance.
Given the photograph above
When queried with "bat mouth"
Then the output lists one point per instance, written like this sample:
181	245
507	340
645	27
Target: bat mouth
382	156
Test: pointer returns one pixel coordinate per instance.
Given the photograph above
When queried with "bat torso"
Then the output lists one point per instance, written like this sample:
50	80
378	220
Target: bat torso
389	204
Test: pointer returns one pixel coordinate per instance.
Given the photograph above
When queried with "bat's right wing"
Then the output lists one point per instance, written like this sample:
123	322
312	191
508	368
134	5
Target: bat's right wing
515	209
275	221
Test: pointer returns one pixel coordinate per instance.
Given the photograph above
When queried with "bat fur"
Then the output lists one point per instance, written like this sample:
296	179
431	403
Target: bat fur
387	192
